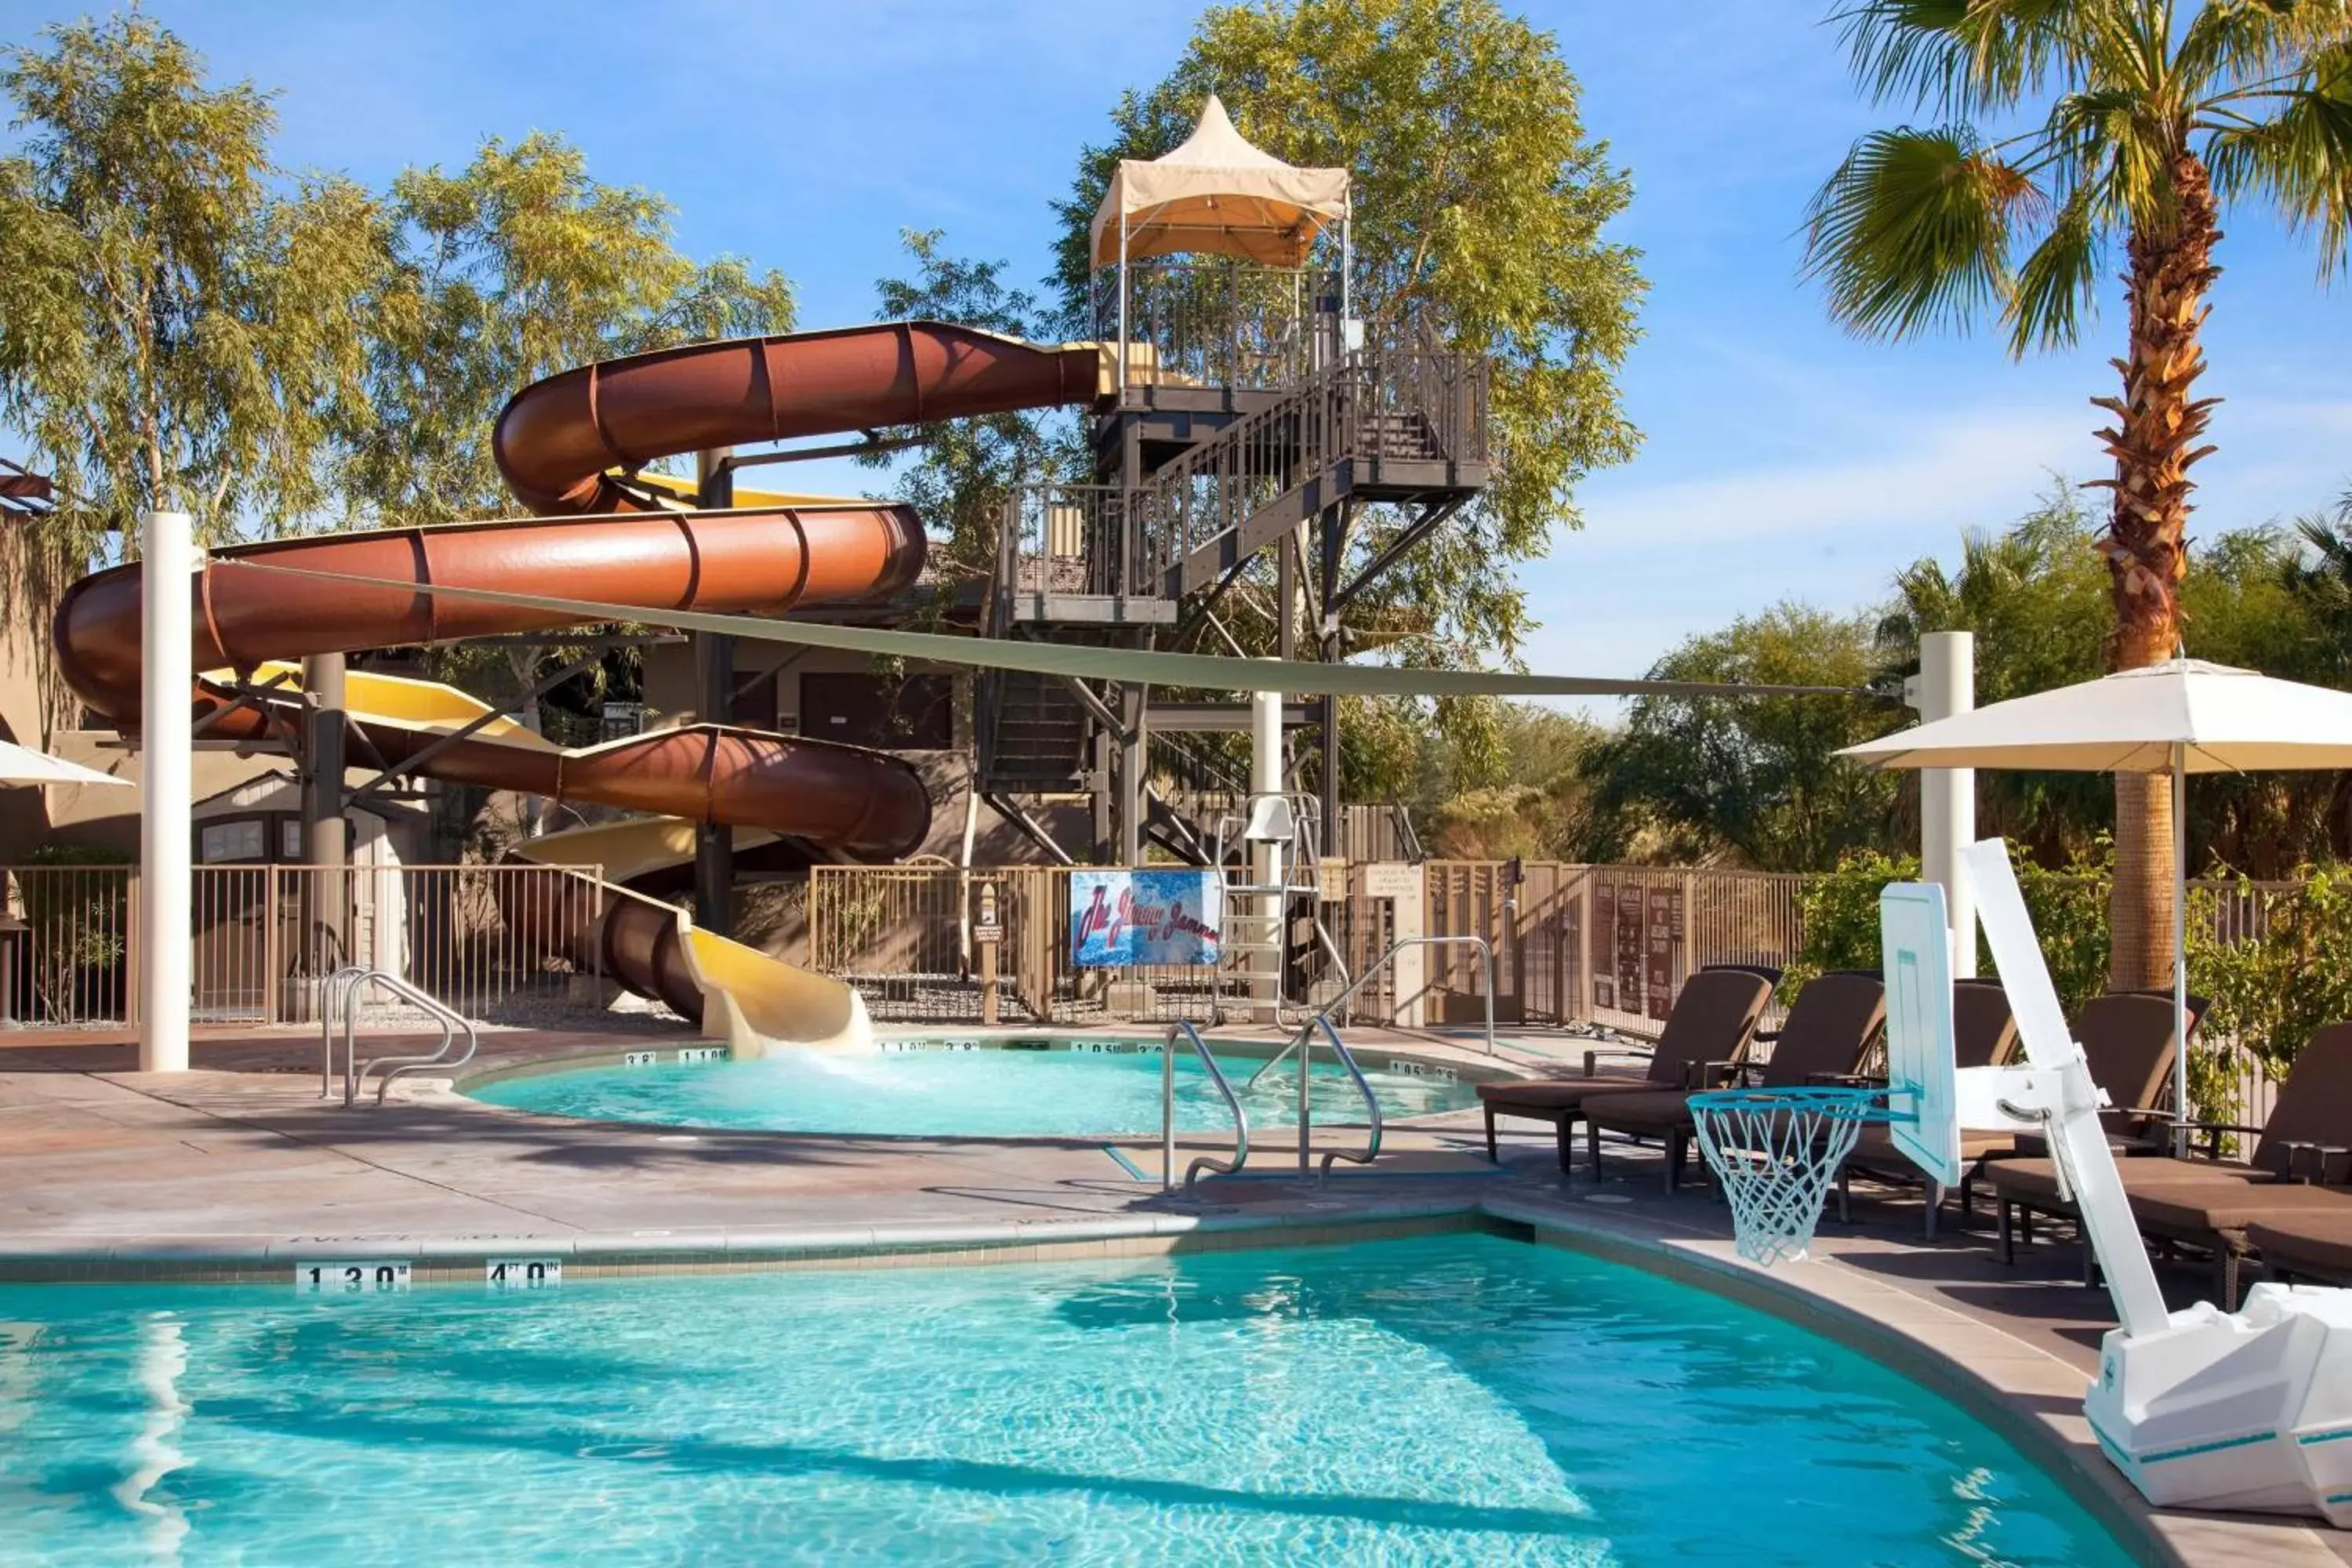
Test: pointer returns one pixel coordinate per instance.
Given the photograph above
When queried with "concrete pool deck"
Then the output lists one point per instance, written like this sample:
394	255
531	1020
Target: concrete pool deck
238	1169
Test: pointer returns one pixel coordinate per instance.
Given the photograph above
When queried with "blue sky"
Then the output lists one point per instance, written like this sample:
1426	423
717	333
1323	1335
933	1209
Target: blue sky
1782	460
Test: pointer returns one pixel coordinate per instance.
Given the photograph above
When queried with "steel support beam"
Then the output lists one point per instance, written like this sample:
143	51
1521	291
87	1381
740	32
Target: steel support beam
1133	708
325	834
472	727
1334	528
1416	531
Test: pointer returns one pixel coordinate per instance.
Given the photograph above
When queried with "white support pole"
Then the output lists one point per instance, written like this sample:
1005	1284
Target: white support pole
2181	1108
1122	306
1946	685
1347	267
167	750
1266	861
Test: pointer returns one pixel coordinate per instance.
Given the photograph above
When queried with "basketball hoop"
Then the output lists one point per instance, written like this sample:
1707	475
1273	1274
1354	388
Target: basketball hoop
1776	1151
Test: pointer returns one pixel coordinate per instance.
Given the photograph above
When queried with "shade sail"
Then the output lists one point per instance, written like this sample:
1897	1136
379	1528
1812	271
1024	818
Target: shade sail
2223	719
1218	194
1215	672
19	764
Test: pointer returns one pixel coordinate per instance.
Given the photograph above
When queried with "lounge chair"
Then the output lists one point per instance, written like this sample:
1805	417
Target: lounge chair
1828	1035
2301	1161
2128	1044
2315	1247
1707	1033
1984	1034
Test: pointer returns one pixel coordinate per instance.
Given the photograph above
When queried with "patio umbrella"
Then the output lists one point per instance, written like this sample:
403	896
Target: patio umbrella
2182	717
18	764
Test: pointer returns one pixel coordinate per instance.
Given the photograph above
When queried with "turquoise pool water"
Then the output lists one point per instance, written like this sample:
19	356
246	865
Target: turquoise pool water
969	1093
1441	1400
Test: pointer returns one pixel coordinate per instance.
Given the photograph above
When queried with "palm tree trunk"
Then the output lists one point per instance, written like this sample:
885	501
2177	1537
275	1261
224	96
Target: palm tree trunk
2154	443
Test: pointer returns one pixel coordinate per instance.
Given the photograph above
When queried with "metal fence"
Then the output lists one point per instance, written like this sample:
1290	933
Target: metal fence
491	940
899	933
1572	943
1602	945
65	946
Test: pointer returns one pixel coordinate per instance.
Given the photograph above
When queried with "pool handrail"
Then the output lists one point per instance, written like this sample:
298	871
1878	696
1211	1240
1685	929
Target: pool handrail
1371	1150
1167	1113
1323	1013
452	1022
340	983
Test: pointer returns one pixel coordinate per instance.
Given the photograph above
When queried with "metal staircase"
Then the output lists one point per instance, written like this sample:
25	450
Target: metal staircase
1040	736
1397	426
1406	424
1229	475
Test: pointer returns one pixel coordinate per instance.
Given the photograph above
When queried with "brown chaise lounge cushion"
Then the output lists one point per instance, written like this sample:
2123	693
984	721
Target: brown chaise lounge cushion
2190	1210
1873	1147
2210	1205
2313	1107
1829	1030
2035	1183
2314	1243
1558	1093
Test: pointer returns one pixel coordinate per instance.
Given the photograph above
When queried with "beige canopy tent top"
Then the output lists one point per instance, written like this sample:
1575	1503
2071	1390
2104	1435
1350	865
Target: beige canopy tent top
1219	195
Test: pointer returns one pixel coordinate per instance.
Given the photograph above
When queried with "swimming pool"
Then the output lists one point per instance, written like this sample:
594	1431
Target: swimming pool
1071	1089
1458	1398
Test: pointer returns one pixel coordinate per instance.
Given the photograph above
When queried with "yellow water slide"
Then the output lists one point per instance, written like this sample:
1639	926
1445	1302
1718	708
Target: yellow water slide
734	993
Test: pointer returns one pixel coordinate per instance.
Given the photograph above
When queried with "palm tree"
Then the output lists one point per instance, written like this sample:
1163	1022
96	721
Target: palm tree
2157	114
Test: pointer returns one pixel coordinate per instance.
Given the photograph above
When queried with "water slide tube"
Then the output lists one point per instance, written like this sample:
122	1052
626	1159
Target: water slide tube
559	443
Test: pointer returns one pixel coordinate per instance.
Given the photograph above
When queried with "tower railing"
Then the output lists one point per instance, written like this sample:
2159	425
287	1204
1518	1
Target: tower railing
1208	321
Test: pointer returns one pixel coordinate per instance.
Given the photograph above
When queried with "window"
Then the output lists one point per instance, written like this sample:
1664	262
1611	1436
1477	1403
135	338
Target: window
228	841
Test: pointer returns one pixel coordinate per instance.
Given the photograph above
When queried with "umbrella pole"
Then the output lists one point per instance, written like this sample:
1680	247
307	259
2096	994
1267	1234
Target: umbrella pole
2180	1110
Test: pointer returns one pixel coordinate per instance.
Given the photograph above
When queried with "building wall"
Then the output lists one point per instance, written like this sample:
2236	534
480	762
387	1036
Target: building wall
672	689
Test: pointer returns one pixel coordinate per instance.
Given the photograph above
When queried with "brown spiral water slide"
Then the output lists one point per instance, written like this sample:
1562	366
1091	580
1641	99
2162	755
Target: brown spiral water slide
565	445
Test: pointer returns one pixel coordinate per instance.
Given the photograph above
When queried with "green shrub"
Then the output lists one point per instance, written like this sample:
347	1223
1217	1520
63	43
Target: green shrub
2069	911
2267	995
2271	995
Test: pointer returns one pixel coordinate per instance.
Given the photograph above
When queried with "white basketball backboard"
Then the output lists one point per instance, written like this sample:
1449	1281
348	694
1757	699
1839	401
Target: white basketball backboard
1917	945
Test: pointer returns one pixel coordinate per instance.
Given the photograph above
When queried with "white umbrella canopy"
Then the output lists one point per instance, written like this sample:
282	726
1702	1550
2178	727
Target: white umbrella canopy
2182	717
2207	717
19	764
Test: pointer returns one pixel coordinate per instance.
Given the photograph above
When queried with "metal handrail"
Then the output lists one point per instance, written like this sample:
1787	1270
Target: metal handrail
1167	1113
1323	1013
1363	1087
340	982
355	1072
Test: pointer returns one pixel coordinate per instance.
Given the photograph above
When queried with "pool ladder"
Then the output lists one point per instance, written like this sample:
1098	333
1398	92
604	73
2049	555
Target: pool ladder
1303	1044
1186	1032
339	992
1337	1003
